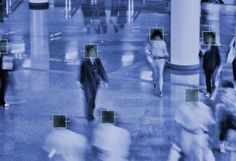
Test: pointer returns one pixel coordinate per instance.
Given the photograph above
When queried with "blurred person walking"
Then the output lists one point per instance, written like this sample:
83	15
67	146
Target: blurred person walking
4	80
6	65
225	111
67	144
2	9
110	142
192	123
231	57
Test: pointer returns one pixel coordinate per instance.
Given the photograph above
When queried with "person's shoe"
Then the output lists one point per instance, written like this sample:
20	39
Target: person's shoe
208	95
155	90
6	105
154	87
160	94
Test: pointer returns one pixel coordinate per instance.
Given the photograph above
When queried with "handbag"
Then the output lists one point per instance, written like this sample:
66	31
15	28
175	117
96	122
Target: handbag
7	62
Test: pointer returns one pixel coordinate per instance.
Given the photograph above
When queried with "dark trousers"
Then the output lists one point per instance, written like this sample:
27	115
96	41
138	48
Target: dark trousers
2	9
228	122
209	81
3	86
234	68
90	98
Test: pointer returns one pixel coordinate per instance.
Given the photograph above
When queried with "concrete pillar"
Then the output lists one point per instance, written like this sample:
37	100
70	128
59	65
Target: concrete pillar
39	49
185	34
38	4
39	40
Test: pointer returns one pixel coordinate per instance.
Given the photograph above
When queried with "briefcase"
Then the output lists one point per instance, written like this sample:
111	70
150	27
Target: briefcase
7	62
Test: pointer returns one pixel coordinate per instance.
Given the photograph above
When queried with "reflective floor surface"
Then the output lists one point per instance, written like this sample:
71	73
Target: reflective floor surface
50	43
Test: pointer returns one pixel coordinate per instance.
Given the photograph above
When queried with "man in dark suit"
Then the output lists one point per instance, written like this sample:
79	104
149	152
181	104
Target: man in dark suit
92	75
211	62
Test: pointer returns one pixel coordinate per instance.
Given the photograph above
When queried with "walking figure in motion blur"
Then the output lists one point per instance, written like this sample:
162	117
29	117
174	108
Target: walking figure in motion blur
192	122
226	117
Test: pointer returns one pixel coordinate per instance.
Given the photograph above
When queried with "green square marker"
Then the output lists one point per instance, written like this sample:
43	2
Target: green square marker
90	50
209	38
191	95
3	46
59	121
108	117
156	34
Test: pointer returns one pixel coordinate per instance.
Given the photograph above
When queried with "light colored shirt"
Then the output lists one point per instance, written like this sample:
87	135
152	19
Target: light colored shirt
156	49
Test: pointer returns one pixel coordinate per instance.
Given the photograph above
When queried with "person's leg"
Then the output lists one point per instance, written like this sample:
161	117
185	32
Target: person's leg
234	69
93	102
208	80
161	75
154	76
215	75
228	122
2	89
225	125
233	119
88	102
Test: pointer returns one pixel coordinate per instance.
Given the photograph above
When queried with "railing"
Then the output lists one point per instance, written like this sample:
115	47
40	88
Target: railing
11	6
71	7
68	8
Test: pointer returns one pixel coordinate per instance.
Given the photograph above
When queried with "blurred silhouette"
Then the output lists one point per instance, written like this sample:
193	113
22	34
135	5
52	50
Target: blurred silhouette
111	143
118	16
10	64
94	16
69	145
6	65
193	120
99	14
211	64
156	53
226	114
87	14
2	9
4	80
92	75
231	58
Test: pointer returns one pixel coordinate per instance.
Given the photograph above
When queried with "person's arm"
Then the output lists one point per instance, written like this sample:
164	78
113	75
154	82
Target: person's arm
165	50
232	42
201	53
148	53
81	76
102	72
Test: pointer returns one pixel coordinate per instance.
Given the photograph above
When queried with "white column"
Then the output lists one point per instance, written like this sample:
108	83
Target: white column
39	49
185	33
39	41
38	4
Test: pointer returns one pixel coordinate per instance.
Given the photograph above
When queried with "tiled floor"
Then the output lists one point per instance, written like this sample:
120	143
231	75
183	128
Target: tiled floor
46	84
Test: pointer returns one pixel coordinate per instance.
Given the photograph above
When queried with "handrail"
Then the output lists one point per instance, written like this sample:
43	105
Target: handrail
11	5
